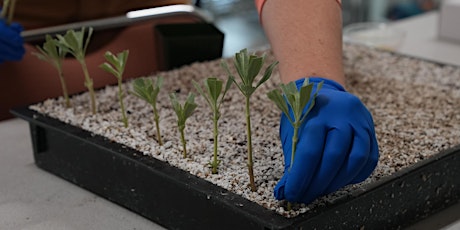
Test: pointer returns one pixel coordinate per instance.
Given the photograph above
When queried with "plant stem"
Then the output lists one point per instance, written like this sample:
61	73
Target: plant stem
216	134
294	144
6	4
182	138
11	11
89	85
294	147
156	118
64	88
250	161
289	206
122	105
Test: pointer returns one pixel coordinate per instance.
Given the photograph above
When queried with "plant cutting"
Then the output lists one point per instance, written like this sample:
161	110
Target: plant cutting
116	65
54	54
74	42
248	67
8	10
214	97
147	90
292	102
183	112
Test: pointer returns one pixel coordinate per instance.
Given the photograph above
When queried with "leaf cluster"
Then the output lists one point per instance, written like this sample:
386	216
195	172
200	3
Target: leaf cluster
248	67
74	42
213	92
185	111
145	89
116	63
295	99
51	52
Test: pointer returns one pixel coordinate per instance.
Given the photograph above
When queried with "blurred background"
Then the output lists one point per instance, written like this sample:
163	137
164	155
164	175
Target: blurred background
237	18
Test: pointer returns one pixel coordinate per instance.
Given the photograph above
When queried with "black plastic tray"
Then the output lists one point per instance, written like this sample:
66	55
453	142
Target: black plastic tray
176	199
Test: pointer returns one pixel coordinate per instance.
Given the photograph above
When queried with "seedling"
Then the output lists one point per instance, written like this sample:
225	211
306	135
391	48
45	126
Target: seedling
293	103
214	97
116	66
248	67
74	43
8	10
145	89
183	112
52	53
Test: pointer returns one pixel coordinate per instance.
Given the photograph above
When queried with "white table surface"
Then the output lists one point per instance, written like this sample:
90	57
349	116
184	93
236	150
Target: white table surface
31	198
422	40
34	199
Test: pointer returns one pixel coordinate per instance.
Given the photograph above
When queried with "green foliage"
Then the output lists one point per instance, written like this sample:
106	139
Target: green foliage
146	89
291	99
295	99
248	68
116	63
53	53
213	87
116	66
183	112
214	97
74	42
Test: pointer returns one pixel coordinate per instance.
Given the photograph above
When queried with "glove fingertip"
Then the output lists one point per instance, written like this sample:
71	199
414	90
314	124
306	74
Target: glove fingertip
279	192
279	189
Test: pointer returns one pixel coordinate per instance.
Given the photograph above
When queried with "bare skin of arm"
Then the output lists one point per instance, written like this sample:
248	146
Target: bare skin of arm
306	37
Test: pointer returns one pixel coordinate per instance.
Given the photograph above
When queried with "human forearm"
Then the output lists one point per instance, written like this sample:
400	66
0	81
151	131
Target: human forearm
306	38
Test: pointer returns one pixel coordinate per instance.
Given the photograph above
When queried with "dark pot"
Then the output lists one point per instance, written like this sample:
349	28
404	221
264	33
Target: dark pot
178	200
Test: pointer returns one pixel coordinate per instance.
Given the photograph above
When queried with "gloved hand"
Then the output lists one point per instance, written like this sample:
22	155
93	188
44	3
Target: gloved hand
11	42
337	146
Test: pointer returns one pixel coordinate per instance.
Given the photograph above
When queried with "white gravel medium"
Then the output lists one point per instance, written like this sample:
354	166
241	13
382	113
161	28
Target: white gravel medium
415	106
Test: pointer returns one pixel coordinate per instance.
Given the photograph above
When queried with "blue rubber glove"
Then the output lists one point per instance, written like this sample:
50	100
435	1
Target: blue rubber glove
337	146
11	42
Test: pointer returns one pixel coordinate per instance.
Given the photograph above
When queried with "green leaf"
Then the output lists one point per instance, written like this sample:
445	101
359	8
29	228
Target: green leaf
72	42
142	89
51	52
279	101
214	88
241	61
227	87
202	93
304	94
254	67
50	47
88	38
116	64
176	106
289	91
267	74
156	87
123	58
183	112
189	106
109	68
111	58
296	100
